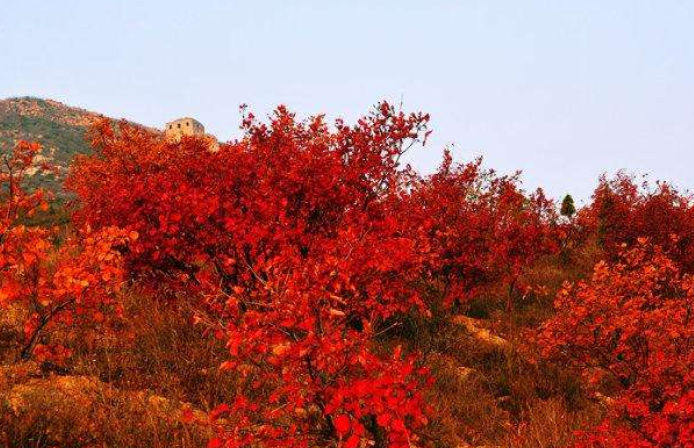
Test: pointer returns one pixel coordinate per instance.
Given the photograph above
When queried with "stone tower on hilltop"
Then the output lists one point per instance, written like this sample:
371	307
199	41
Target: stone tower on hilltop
186	126
189	127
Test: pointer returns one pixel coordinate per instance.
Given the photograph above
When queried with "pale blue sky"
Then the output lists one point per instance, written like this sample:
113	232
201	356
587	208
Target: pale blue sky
563	90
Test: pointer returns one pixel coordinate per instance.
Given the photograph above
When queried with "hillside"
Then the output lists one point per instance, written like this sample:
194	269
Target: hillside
59	128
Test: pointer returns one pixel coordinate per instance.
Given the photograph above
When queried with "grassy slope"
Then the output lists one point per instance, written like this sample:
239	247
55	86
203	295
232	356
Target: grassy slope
60	129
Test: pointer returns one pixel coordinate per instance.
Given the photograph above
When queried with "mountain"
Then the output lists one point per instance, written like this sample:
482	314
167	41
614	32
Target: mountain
60	129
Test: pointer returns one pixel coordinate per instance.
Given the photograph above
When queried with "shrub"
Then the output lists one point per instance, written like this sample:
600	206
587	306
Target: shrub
623	211
629	330
481	229
60	288
290	236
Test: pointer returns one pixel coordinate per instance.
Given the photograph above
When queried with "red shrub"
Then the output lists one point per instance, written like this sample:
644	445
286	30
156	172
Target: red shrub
631	326
59	287
622	211
291	236
480	228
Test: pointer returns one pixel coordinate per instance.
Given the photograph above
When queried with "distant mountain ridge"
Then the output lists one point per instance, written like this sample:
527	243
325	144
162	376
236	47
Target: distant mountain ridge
59	128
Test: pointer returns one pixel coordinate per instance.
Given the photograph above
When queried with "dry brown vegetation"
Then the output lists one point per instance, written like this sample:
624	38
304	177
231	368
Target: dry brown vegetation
128	389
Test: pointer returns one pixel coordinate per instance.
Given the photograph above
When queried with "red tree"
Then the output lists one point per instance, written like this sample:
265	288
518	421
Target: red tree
630	329
291	236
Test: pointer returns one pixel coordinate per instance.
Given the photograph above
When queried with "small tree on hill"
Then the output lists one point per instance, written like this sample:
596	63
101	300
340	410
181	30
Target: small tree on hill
568	208
623	210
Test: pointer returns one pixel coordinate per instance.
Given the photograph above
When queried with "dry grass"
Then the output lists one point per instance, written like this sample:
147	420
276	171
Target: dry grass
125	389
159	348
550	424
487	396
491	390
81	411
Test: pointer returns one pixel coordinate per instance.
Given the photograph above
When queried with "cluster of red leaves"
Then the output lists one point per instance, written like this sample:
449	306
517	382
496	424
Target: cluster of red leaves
59	286
303	343
623	211
290	236
15	202
480	228
631	326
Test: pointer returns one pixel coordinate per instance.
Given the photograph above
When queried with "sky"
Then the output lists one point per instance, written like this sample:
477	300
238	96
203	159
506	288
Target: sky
564	90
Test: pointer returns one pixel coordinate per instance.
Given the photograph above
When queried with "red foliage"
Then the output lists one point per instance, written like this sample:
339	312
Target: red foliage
59	287
291	236
623	211
631	326
480	228
15	201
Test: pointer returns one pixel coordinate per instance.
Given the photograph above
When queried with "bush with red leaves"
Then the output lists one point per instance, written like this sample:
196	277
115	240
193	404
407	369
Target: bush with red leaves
60	286
623	211
630	329
479	228
291	237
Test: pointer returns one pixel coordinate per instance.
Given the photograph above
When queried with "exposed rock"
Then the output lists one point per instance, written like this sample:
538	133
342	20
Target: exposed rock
604	399
476	329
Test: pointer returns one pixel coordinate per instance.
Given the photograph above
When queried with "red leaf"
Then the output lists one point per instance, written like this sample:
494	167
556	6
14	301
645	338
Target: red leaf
352	442
342	424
